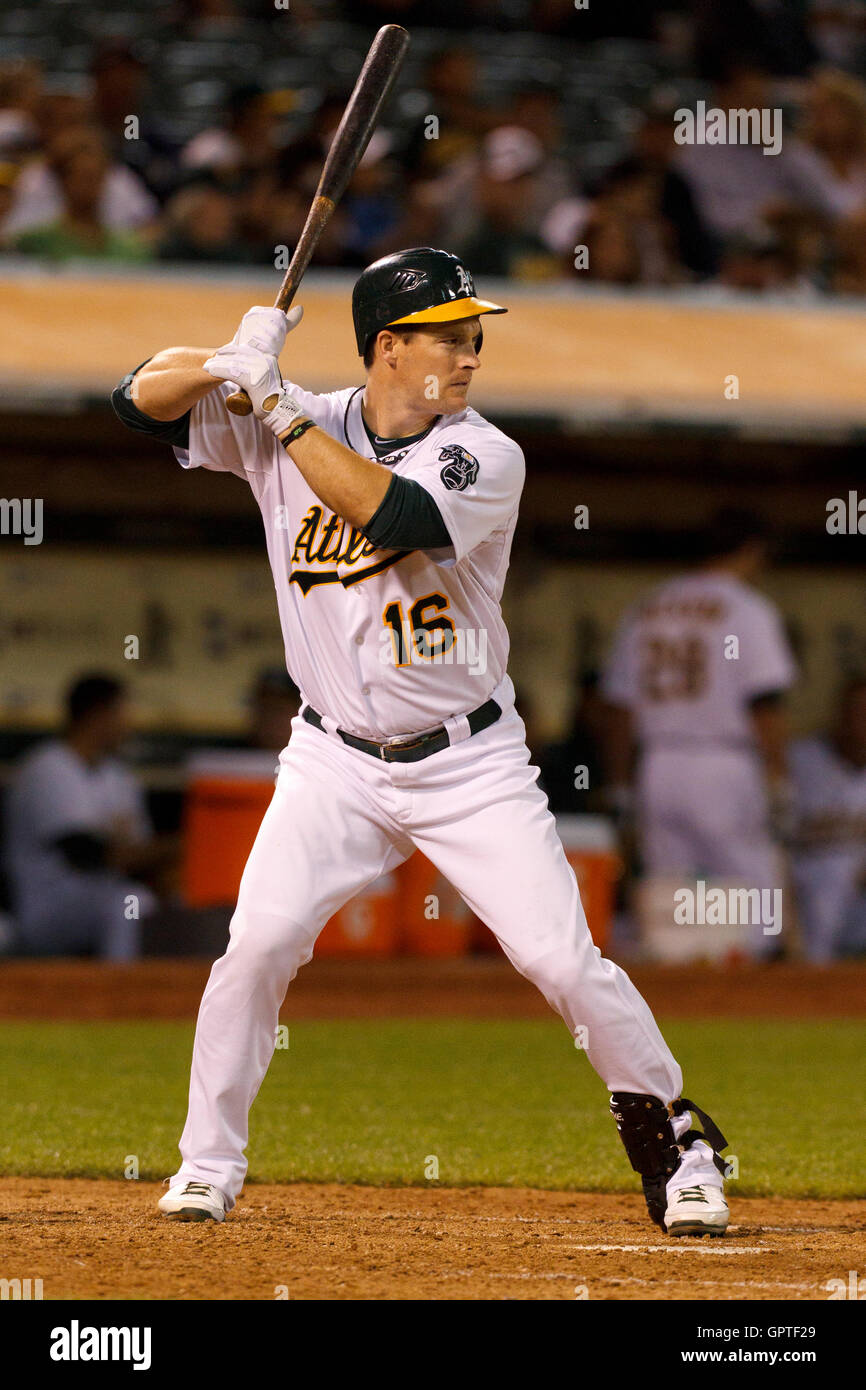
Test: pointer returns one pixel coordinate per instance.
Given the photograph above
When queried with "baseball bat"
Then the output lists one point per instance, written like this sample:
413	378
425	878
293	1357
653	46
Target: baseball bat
374	83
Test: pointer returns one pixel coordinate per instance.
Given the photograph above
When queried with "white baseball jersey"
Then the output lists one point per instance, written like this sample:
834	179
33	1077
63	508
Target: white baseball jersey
389	642
55	793
830	858
688	659
830	798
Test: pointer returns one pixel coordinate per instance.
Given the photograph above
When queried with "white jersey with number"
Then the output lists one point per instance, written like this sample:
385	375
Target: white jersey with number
383	642
688	659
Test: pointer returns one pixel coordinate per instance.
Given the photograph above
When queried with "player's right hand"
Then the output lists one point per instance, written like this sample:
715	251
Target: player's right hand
256	372
266	329
259	375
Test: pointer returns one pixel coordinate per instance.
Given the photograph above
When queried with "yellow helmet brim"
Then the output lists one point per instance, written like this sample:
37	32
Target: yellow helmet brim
468	308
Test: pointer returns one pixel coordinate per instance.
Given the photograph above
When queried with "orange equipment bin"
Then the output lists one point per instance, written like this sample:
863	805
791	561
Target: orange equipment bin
435	919
590	848
227	794
368	925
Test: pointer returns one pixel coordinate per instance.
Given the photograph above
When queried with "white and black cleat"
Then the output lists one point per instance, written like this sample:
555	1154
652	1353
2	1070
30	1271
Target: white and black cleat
697	1211
193	1201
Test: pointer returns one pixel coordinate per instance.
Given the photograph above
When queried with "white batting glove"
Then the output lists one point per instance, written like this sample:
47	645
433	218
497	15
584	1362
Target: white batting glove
266	329
258	374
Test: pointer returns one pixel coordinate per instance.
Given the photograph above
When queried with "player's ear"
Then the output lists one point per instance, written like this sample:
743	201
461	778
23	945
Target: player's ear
478	341
387	341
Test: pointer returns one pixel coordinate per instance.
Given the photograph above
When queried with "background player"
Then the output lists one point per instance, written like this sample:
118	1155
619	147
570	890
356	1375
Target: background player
695	680
389	511
78	834
828	775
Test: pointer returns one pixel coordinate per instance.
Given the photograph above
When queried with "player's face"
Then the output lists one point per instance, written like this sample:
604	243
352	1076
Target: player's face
112	725
437	363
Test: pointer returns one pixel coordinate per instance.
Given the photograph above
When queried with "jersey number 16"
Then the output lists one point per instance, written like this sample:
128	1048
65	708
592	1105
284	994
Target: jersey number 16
430	636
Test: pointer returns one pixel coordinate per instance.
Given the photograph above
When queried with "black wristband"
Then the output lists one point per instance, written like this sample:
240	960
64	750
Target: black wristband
296	431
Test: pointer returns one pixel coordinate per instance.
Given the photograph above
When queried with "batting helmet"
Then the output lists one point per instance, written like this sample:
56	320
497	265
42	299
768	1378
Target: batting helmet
421	285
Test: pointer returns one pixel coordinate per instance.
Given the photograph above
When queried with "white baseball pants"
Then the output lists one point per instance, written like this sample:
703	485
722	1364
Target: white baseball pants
703	813
705	810
338	819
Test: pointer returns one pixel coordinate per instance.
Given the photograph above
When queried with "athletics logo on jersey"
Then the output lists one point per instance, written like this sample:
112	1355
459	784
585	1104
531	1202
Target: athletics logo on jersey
461	469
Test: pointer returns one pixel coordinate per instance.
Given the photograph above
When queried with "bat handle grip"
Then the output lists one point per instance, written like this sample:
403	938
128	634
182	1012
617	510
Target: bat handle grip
239	403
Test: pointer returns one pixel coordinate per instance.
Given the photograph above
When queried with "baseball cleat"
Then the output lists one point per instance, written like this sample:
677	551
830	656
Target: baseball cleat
697	1211
193	1201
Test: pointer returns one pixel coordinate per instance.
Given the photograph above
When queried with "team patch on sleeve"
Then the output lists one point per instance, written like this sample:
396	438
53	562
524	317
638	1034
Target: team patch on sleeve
461	468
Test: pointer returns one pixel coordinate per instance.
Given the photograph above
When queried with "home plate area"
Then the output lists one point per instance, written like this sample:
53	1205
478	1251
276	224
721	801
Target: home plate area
103	1239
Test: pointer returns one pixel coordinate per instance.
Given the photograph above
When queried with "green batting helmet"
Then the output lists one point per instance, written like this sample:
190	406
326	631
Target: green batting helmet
421	285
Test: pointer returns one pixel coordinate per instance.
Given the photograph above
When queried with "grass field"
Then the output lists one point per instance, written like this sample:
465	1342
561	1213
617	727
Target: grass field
504	1103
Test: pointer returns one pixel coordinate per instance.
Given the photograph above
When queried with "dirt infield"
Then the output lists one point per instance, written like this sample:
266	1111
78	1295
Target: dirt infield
105	1240
469	987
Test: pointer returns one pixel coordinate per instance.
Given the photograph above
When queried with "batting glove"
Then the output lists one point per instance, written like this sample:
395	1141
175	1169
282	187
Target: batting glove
258	374
266	329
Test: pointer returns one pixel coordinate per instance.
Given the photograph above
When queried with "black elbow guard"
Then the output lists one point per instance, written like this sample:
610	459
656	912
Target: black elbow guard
407	518
168	431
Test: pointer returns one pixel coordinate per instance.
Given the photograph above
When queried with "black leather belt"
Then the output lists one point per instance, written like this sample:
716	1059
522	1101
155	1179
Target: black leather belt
412	750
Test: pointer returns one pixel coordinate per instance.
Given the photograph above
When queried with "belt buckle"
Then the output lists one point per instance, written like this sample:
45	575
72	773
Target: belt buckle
388	751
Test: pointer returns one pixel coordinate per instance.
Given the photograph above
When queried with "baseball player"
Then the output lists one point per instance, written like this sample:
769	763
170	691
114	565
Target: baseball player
389	510
696	679
828	772
78	834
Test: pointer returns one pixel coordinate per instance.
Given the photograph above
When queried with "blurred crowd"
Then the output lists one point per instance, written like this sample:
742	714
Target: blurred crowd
94	168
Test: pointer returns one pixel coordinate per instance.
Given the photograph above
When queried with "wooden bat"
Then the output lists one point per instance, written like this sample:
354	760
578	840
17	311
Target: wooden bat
374	83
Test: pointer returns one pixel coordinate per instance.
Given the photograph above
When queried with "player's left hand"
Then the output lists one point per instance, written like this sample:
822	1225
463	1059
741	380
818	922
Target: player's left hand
266	329
258	374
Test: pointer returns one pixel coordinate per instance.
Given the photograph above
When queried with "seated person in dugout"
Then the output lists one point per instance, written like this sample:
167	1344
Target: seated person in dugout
78	843
828	773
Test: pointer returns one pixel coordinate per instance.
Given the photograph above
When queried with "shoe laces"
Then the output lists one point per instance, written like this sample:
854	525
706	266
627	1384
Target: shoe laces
197	1189
691	1194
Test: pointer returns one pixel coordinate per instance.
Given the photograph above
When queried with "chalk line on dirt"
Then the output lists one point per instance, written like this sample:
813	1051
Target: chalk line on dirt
715	1249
